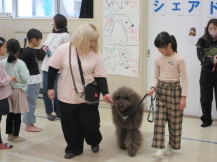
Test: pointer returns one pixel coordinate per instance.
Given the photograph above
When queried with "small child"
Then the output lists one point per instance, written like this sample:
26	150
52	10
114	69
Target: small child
29	57
5	90
19	105
170	96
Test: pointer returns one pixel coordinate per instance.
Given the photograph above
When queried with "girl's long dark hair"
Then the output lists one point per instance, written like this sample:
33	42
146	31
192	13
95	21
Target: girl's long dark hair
2	41
163	39
13	48
60	21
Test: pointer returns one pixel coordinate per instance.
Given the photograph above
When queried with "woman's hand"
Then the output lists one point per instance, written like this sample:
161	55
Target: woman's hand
51	94
183	103
107	98
44	48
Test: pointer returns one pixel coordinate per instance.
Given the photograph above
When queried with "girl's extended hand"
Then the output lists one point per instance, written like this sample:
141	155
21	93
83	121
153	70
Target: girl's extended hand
151	91
183	103
51	94
107	98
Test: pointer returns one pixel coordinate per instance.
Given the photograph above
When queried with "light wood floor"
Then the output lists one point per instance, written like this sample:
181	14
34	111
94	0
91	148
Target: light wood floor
198	144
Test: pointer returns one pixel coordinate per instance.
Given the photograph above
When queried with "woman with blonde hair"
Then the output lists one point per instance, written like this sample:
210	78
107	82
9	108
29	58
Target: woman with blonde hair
80	120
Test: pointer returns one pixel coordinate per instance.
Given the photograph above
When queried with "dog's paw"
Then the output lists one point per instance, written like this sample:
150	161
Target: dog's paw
131	152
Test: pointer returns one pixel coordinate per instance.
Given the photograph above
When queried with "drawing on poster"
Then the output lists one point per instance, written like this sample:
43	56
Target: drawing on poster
123	7
120	29
119	3
121	60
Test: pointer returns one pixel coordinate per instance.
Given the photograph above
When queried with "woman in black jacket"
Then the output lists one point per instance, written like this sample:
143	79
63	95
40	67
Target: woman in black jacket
207	54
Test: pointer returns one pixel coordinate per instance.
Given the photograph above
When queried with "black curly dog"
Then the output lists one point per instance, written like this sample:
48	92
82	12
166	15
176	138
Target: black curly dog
127	126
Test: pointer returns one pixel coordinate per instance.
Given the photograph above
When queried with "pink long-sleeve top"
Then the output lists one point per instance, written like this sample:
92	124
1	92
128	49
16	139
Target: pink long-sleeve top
171	69
5	88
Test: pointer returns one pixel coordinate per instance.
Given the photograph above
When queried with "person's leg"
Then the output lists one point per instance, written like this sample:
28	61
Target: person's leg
174	115
16	125
47	102
32	94
215	89
71	127
3	145
9	124
90	121
29	117
206	97
160	122
0	129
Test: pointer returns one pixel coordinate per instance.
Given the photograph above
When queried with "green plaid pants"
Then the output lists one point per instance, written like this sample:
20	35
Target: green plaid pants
168	97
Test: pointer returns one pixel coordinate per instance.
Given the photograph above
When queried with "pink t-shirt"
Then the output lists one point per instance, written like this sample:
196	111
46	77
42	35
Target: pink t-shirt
92	65
171	69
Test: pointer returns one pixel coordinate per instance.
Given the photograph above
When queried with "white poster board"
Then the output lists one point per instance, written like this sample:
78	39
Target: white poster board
121	23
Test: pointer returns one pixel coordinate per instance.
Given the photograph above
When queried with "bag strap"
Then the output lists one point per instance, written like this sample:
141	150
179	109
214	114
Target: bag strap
76	90
80	70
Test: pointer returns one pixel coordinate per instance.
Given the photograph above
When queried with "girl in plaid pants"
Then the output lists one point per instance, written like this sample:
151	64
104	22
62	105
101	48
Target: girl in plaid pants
170	96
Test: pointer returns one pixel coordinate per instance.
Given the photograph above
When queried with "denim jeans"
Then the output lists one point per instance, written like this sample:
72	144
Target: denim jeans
31	94
49	106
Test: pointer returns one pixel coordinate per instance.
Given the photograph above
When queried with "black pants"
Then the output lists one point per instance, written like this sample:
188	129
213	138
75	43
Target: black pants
208	82
0	129
13	123
79	122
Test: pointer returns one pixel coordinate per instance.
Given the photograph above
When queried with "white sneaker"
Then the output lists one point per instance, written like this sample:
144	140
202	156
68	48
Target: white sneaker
158	155
168	150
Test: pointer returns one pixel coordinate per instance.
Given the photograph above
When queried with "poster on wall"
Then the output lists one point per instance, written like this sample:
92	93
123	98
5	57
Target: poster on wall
121	60
121	37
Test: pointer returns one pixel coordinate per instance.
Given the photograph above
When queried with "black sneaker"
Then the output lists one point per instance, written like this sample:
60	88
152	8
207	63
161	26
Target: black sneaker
58	115
69	155
205	125
95	148
51	117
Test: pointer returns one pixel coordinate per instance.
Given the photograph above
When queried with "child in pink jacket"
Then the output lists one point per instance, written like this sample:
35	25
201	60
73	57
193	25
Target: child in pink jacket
5	90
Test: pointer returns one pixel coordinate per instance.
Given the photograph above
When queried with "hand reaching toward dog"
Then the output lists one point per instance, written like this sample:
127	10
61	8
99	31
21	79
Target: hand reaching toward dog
107	98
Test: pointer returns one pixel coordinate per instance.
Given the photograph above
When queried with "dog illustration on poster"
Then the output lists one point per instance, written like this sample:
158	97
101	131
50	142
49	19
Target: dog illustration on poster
120	28
119	3
118	59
